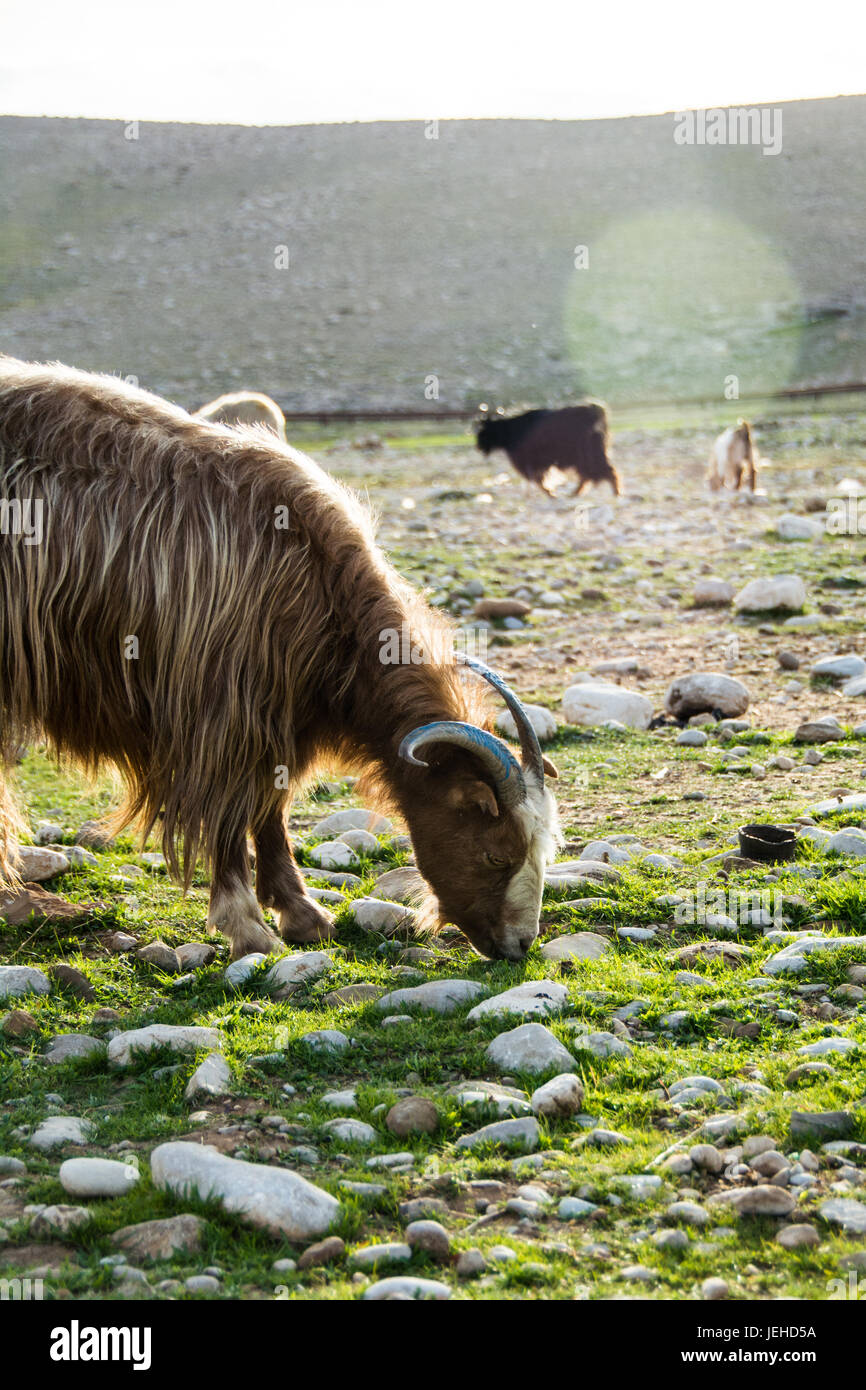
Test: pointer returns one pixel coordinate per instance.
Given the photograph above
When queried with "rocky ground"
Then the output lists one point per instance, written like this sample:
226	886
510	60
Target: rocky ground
666	1100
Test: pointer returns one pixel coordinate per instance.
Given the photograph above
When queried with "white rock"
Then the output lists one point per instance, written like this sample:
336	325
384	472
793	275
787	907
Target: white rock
298	967
61	1129
804	621
851	840
97	1177
575	1208
857	686
661	861
692	738
274	1199
530	997
855	802
47	832
799	528
68	1045
358	819
562	1095
388	1252
815	834
329	896
840	667
700	692
591	705
350	1131
35	864
375	914
763	1200
181	1038
361	841
58	1220
326	1040
212	1077
531	1048
600	851
603	1044
401	1286
542	720
442	996
16	980
575	875
780	591
791	959
847	1213
825	1046
710	591
522	1134
506	1106
243	969
584	945
341	1100
696	1083
333	854
640	1186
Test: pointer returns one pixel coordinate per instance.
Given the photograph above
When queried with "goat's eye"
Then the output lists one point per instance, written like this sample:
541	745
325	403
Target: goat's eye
495	862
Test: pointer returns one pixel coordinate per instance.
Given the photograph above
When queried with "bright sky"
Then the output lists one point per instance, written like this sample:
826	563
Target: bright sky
278	62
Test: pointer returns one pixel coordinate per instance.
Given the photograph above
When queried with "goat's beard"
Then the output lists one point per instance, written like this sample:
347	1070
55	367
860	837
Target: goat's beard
428	914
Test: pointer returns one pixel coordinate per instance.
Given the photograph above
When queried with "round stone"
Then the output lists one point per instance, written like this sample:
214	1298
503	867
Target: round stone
97	1177
413	1115
429	1237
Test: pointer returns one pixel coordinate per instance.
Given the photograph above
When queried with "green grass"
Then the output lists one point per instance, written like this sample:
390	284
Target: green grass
609	782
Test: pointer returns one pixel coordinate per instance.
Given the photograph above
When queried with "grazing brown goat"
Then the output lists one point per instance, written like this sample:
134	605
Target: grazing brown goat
733	458
207	610
575	438
245	408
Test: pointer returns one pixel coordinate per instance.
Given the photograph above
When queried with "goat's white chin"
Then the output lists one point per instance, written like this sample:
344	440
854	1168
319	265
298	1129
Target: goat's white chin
514	943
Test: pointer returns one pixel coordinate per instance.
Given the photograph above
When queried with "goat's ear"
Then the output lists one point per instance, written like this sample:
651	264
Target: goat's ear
550	768
474	793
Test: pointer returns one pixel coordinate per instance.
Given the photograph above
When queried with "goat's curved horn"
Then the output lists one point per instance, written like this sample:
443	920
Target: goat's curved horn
533	762
490	751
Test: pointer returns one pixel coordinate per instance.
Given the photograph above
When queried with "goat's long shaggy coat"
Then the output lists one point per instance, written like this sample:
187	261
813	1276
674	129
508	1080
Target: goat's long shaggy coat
206	609
203	609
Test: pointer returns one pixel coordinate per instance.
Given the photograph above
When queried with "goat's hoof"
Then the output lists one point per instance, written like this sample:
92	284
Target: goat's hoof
306	921
253	936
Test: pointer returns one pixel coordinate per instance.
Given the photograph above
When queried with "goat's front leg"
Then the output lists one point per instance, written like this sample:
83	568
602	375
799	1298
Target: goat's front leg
233	909
279	885
10	827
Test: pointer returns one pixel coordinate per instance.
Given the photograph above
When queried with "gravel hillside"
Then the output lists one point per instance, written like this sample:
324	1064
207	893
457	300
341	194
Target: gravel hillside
411	258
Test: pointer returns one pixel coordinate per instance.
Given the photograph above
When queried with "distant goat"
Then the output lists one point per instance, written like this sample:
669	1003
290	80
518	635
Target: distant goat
575	438
245	408
731	458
